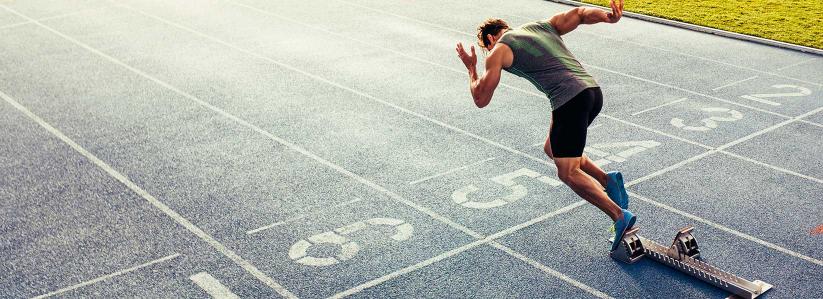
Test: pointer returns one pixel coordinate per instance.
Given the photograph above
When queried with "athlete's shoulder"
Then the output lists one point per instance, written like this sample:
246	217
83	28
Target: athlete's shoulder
501	54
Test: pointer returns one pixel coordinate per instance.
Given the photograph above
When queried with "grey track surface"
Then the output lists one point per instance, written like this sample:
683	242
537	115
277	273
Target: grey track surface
258	124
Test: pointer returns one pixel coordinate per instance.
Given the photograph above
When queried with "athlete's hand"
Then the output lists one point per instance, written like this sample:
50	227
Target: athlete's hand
617	11
469	60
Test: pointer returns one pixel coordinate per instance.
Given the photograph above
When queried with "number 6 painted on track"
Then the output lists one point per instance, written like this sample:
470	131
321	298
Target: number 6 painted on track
348	249
461	196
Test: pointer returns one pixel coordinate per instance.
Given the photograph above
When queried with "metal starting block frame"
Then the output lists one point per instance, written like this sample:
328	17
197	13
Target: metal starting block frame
684	255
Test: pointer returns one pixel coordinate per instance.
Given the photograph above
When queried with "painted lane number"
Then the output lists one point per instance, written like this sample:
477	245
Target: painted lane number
762	98
348	248
461	196
608	153
709	123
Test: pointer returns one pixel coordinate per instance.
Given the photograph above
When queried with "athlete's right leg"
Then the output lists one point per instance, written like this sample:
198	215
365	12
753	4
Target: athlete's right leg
568	170
588	166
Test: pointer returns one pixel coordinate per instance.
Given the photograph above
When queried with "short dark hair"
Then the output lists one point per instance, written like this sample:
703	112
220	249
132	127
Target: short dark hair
490	26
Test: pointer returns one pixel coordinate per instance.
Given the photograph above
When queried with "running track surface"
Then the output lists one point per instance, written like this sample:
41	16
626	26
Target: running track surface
314	149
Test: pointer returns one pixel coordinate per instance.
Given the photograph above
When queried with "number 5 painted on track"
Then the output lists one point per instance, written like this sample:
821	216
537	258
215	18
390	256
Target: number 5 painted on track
461	196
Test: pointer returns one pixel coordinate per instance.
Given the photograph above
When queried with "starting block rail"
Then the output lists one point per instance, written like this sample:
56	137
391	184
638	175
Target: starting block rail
684	255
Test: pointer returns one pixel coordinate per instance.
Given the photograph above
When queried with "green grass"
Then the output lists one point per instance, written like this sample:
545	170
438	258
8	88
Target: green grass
793	21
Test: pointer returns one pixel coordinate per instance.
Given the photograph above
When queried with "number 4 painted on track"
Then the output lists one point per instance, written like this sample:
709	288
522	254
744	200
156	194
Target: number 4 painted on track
603	150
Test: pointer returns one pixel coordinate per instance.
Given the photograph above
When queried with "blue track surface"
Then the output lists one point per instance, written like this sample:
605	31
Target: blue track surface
314	149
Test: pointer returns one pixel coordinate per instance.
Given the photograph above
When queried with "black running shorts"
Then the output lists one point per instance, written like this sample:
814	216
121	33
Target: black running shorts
570	121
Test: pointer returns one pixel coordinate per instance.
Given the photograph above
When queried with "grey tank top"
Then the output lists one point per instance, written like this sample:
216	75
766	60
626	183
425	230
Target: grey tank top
541	57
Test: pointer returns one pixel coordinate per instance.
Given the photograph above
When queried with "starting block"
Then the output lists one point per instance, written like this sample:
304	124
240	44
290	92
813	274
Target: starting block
684	255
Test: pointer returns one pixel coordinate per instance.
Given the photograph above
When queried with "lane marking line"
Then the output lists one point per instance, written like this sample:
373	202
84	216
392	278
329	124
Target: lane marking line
542	97
791	172
242	262
273	225
687	91
451	171
551	271
729	230
365	95
487	240
660	106
585	64
212	106
104	277
796	64
734	83
85	10
212	286
246	265
586	31
349	89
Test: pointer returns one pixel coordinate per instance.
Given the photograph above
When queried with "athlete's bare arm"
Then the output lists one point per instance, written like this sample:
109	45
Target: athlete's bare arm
565	22
482	87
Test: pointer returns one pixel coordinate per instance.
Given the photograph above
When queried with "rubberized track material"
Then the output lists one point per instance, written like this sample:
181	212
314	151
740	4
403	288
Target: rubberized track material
320	149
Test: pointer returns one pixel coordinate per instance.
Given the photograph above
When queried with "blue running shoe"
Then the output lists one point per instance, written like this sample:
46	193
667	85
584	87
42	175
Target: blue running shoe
616	190
621	226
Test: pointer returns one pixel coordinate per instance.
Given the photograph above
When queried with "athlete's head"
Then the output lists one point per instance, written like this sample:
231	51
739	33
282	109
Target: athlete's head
489	32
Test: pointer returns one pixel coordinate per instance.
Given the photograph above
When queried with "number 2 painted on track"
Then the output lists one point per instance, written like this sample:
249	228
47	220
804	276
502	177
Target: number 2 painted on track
761	98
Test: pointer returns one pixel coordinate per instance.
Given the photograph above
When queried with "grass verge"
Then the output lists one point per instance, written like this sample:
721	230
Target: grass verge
798	22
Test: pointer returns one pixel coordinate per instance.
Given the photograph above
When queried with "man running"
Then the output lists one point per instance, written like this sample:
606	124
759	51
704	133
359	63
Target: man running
536	52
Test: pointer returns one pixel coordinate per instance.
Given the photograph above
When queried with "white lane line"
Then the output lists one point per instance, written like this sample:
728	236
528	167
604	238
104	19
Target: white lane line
409	269
585	64
781	169
669	168
246	265
392	194
796	64
551	271
734	83
273	225
685	90
769	129
282	141
349	89
458	250
722	148
450	171
686	54
9	26
660	106
212	286
540	96
104	277
810	123
657	131
369	183
729	230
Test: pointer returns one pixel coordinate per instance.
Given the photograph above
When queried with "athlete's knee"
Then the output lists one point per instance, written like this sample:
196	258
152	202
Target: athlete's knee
565	174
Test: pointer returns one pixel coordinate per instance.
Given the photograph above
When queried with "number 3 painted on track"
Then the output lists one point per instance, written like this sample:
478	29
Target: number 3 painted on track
710	122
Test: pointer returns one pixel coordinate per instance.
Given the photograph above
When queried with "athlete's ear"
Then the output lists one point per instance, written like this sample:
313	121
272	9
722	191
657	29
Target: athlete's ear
491	39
